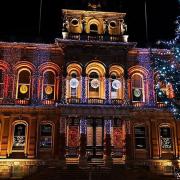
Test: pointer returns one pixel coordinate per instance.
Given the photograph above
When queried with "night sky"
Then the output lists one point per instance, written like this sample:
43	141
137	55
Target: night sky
19	19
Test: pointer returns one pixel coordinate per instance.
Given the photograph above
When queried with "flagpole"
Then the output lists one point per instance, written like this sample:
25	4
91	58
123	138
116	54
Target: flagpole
146	22
40	14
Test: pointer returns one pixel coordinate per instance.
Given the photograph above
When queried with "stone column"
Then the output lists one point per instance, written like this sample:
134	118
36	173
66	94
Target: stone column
126	89
83	89
35	95
107	90
155	144
31	152
5	122
83	142
64	88
128	139
58	89
107	151
124	131
10	98
62	141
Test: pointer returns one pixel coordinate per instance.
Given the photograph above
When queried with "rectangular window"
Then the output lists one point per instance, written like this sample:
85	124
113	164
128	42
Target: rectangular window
140	137
166	141
45	136
19	137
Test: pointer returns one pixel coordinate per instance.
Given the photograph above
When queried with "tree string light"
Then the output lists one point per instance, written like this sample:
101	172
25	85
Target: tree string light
167	66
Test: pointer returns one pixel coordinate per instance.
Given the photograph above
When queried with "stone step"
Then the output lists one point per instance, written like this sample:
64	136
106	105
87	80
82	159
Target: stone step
96	161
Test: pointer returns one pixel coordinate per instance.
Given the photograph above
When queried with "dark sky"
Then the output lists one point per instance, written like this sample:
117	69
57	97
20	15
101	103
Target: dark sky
19	19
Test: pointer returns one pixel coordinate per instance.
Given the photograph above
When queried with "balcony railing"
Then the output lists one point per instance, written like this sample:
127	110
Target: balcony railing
161	105
48	102
22	101
73	100
95	101
116	101
138	104
95	37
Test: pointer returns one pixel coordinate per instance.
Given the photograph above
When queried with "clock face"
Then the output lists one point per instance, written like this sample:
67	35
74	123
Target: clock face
48	89
74	83
160	93
23	89
116	84
95	83
137	92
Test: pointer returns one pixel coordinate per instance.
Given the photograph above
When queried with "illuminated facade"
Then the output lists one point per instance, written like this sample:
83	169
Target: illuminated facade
91	95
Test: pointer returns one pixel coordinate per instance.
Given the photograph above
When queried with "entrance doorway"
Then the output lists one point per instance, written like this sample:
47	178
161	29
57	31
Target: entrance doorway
95	138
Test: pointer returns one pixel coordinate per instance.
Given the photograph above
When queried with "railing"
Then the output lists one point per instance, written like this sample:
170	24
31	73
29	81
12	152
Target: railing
48	102
161	105
74	36
87	101
22	101
138	104
73	100
116	101
95	101
95	37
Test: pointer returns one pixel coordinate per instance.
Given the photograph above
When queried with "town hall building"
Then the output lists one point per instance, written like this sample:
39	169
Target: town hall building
88	97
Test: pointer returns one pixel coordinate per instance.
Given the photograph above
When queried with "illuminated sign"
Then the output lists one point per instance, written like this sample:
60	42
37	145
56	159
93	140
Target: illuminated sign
137	92
95	83
116	84
48	89
74	83
23	89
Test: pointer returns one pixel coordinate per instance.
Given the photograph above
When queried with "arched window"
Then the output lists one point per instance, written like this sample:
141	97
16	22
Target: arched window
45	136
93	29
165	137
19	138
1	84
95	82
115	86
74	83
94	85
23	85
140	137
48	86
137	87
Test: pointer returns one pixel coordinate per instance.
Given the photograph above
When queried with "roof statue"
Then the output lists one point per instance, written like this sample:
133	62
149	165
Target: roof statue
94	5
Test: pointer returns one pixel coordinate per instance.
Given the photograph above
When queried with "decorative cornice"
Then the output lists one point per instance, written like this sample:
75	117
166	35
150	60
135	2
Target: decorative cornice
69	12
65	43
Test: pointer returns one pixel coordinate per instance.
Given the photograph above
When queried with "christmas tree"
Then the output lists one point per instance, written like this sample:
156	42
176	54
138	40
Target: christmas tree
167	67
